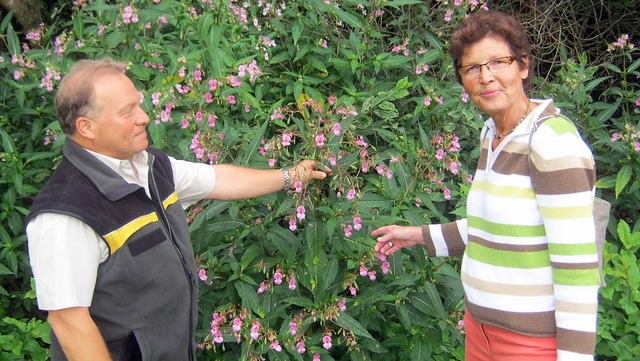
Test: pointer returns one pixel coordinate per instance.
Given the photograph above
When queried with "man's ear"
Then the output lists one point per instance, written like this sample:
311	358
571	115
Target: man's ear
85	127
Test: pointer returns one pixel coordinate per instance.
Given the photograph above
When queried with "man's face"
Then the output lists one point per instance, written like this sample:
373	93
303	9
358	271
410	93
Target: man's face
120	122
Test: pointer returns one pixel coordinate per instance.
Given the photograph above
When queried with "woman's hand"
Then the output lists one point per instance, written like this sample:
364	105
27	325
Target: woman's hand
393	238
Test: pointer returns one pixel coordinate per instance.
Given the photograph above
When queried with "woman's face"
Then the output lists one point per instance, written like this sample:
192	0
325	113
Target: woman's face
493	92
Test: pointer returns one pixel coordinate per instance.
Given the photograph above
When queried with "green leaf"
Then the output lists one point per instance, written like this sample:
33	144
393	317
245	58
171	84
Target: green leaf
399	3
622	179
420	350
348	18
256	139
635	65
605	115
13	42
429	302
114	39
249	298
249	255
296	31
330	273
348	322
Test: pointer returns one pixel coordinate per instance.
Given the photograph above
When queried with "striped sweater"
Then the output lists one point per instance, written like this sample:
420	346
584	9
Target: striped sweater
530	261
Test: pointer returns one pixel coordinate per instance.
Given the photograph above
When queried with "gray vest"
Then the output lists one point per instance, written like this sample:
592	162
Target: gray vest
145	299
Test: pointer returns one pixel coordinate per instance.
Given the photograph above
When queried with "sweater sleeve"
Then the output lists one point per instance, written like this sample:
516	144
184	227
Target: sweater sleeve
443	240
563	177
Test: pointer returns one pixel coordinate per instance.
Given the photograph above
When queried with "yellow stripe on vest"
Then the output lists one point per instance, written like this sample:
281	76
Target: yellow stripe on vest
118	237
173	198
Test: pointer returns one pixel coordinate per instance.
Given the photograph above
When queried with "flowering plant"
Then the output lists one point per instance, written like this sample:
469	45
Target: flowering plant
365	89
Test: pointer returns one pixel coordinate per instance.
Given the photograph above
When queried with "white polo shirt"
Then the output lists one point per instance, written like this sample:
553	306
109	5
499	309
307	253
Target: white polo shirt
65	253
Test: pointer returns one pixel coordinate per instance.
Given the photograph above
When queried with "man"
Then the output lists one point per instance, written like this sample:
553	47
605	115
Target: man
108	238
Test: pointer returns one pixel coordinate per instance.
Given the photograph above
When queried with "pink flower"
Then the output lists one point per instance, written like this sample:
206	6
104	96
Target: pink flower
427	101
155	98
212	120
347	230
351	194
202	274
185	123
332	161
263	287
636	145
208	98
286	140
353	291
326	342
638	102
300	212
298	186
198	117
255	331
301	347
292	225
447	194
272	163
447	16
418	70
614	137
465	97
439	154
277	278
293	328
363	270
234	82
320	139
336	129
231	99
342	304
357	223
372	275
237	325
276	346
197	75
316	357
292	284
332	100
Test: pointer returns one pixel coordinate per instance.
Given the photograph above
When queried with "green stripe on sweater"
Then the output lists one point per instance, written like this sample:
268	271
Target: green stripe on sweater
573	249
511	259
574	277
502	190
506	229
561	126
567	212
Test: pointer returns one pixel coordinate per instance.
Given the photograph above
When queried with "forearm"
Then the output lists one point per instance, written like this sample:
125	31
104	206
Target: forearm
78	335
233	182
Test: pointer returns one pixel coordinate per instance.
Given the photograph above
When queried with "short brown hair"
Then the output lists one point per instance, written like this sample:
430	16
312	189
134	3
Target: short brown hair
479	25
75	95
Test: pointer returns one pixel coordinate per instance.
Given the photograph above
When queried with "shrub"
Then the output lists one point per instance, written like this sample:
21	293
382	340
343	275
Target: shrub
365	88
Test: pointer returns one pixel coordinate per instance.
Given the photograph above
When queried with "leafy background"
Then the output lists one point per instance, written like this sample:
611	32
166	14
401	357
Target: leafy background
366	88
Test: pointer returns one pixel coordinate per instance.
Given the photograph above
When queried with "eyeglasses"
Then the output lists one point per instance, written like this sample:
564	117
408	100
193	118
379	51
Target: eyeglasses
495	66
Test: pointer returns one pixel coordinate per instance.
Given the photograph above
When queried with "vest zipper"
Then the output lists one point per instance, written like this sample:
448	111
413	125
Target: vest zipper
187	271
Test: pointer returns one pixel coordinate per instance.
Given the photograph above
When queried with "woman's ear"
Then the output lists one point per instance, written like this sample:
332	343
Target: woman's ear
524	70
85	127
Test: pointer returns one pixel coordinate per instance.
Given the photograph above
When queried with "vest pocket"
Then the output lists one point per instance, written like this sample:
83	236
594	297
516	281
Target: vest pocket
147	242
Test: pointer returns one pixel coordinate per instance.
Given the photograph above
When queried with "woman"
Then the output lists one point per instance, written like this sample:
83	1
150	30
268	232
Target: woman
529	266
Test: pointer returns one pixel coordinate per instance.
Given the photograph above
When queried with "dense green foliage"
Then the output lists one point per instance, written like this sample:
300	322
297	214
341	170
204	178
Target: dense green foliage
366	88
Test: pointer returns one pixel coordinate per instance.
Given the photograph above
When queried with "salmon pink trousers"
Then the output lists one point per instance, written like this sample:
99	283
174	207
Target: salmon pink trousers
488	343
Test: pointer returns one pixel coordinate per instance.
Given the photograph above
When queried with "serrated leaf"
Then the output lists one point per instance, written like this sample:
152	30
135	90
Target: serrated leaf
350	323
249	298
